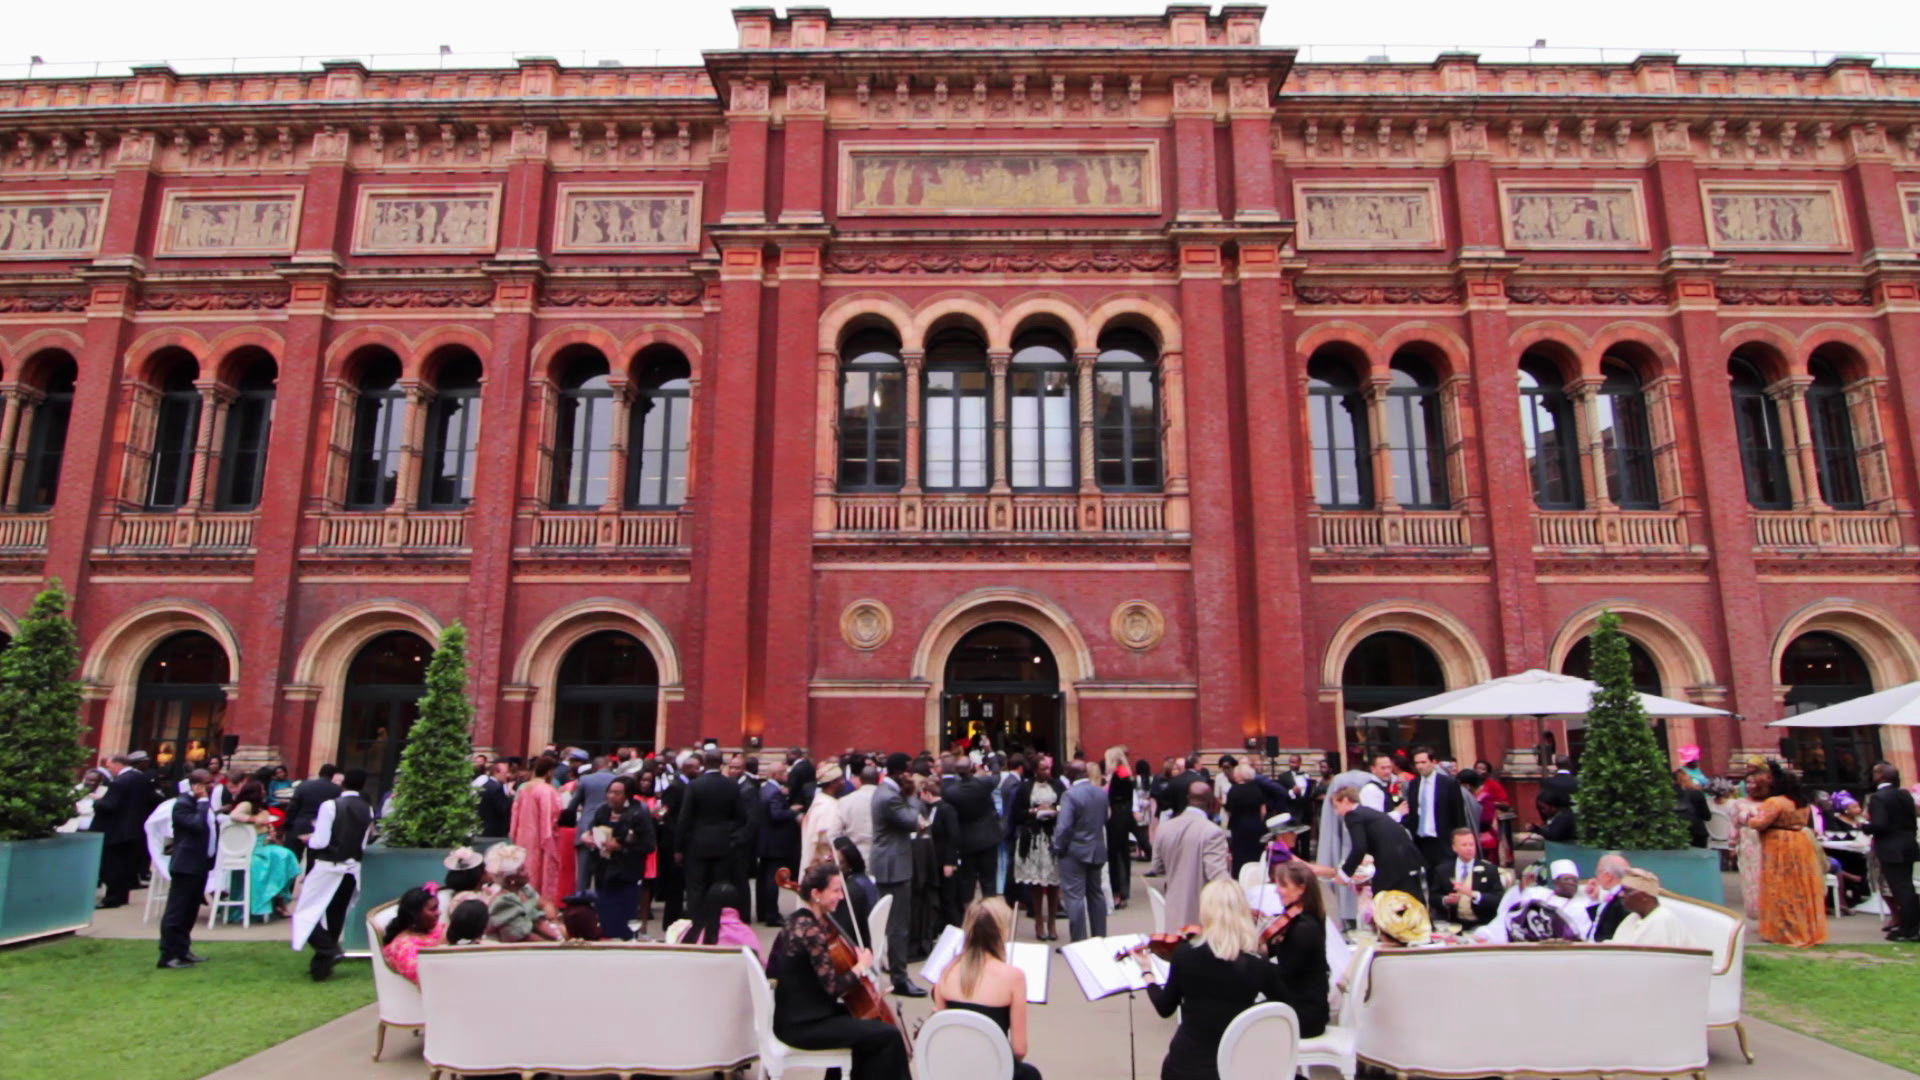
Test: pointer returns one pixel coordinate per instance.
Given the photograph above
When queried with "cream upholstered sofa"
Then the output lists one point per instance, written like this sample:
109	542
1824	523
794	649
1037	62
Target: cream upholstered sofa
1554	1010
399	999
547	1008
1724	932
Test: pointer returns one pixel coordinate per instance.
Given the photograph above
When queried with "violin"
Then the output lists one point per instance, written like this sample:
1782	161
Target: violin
1277	929
1160	945
865	1001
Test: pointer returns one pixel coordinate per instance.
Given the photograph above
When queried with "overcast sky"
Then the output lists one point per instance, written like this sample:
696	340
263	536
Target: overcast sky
123	30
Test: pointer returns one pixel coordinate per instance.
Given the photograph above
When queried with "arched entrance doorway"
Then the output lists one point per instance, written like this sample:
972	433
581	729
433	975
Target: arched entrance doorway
1821	669
608	695
1385	669
1002	681
1646	679
380	702
180	706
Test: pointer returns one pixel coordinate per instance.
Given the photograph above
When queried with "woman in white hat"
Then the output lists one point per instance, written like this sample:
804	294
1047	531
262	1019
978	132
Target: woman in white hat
518	913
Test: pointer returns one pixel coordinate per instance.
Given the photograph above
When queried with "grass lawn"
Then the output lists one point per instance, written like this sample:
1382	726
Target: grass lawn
98	1007
1861	997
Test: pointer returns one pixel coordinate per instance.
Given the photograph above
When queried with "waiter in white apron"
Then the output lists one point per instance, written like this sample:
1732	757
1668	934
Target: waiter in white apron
333	880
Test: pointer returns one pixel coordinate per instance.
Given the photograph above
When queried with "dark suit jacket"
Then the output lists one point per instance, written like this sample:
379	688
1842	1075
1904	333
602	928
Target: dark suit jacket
1447	807
943	828
1560	783
780	835
894	822
634	830
496	808
1891	824
192	836
1396	861
1178	787
971	802
1486	882
121	814
1607	919
800	781
309	796
713	817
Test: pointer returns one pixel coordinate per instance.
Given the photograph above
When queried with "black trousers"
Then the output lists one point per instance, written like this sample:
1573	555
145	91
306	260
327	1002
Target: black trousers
1120	856
184	896
704	874
977	868
898	920
120	870
879	1048
767	907
1906	908
1434	849
667	886
325	939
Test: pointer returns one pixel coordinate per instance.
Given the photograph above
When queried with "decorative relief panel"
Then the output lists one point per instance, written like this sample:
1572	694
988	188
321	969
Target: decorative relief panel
627	217
427	220
1910	209
972	178
866	624
51	226
1138	625
1573	215
1775	217
240	221
1367	214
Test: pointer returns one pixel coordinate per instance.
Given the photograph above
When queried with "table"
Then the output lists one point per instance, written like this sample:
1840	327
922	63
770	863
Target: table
1872	905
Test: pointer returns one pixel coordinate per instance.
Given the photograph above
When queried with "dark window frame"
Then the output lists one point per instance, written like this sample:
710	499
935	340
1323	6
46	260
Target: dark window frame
377	450
176	437
1836	455
47	445
249	430
1038	379
1546	400
870	362
1631	481
1763	456
1327	397
1418	407
452	435
1141	363
665	404
574	425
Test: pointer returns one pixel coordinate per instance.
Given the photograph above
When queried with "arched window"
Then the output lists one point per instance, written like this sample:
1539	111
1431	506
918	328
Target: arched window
453	435
1553	443
180	706
956	413
607	695
1126	412
1762	448
1386	669
583	432
243	460
175	431
1821	669
1626	439
1416	435
379	703
1041	413
658	437
873	413
47	442
379	436
1342	448
1834	452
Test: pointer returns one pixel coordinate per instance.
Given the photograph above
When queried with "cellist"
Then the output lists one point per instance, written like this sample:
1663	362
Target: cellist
809	1011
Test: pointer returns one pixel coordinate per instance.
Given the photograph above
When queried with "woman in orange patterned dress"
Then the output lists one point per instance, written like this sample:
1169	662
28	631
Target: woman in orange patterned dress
1792	869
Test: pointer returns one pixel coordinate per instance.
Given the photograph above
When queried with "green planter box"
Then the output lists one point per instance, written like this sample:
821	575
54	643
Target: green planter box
1691	872
385	873
46	886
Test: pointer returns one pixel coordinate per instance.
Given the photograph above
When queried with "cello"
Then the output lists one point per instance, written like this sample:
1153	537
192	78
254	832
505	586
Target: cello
865	1001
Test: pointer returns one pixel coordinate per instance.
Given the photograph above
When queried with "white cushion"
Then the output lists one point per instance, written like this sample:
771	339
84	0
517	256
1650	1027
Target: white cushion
1724	932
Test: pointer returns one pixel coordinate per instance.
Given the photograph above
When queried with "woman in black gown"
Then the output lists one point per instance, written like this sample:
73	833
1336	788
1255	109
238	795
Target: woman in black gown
807	1010
1211	980
1300	948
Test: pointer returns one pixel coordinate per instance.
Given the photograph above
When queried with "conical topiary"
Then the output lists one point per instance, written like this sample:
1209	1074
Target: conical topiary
1625	798
434	801
40	729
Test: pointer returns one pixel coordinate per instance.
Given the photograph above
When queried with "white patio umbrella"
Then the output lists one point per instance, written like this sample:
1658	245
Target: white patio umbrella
1531	693
1898	707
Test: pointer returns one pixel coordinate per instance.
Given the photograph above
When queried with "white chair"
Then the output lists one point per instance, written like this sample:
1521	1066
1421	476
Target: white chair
159	829
1253	876
877	921
234	855
955	1044
1833	891
1720	834
399	999
675	929
1159	901
1335	1047
777	1057
1262	1043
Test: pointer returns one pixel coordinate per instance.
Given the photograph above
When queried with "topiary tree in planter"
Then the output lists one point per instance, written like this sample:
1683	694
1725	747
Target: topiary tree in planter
1625	798
434	801
40	730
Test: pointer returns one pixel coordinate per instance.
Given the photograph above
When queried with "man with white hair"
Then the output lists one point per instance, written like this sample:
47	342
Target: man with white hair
1648	921
1606	911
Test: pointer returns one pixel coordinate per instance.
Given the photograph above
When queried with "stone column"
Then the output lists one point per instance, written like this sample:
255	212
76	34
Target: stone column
1083	362
914	361
1000	465
1381	457
10	429
618	463
413	425
1803	466
202	487
1584	393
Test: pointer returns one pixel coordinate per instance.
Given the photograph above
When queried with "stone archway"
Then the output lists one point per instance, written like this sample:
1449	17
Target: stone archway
1890	651
1462	661
320	672
536	671
1686	673
1023	608
112	667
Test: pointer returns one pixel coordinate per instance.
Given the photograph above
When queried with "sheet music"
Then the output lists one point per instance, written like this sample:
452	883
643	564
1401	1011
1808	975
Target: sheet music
1035	960
1100	975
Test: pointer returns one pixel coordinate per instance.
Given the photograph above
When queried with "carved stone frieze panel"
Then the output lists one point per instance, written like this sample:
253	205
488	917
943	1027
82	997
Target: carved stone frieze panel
1379	294
51	226
1775	216
231	221
921	178
1137	625
1587	295
1910	212
986	262
1790	296
185	300
410	220
627	217
866	625
477	296
619	296
1336	214
1573	215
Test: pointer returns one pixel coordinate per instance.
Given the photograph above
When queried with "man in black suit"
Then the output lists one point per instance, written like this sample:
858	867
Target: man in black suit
1562	783
1396	861
121	815
712	825
1481	881
1433	807
192	861
970	800
1890	821
1183	783
745	773
496	802
304	805
800	774
673	800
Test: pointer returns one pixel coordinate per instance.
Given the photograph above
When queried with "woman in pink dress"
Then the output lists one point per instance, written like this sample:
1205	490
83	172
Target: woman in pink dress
415	925
535	827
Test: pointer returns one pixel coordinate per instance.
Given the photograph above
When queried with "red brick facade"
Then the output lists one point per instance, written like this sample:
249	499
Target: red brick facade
1163	174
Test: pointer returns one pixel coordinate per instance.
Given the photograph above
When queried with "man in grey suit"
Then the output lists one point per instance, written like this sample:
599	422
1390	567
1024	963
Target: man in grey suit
589	795
895	820
1080	850
1190	851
